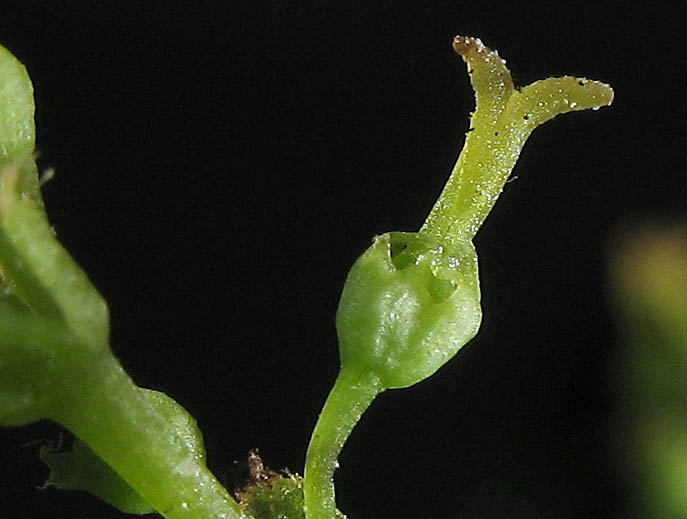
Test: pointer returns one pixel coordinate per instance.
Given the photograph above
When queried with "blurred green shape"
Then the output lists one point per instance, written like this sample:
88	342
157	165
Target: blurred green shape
649	271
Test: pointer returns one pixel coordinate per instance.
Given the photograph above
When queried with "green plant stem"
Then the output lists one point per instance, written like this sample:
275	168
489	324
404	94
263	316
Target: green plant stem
351	395
121	424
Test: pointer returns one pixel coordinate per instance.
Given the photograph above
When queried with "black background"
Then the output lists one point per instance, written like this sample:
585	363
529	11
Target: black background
220	166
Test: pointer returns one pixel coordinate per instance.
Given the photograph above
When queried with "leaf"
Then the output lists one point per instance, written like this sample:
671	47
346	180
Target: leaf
17	130
81	469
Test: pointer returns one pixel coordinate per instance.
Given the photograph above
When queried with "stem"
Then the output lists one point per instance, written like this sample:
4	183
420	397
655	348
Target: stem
351	395
120	424
39	270
481	171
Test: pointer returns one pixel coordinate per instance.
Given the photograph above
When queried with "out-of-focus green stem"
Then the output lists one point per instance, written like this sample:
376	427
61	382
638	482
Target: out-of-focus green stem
650	289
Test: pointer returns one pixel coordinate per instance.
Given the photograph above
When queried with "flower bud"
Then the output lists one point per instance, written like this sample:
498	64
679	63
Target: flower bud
407	307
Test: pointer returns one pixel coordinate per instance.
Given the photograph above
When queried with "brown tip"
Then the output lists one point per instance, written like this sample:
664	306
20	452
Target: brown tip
466	45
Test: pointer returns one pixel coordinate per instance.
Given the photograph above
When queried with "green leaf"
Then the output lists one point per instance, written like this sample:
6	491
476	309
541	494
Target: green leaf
81	469
17	130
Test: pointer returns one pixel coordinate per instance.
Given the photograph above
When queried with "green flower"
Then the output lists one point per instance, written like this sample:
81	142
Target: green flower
412	300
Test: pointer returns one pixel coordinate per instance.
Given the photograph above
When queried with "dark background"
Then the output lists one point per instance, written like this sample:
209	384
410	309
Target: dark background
220	166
